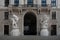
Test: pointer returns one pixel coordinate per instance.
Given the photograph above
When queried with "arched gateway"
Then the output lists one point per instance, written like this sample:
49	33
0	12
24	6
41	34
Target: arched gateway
30	24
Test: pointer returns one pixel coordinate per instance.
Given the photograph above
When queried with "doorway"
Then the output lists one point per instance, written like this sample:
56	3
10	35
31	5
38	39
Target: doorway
6	29
30	24
53	30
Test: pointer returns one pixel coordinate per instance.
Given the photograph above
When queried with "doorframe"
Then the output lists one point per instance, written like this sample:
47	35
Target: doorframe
56	30
35	13
8	30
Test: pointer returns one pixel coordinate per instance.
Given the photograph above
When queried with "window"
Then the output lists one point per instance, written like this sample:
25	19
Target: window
16	2
6	29
43	3
6	3
53	3
53	15
6	15
30	2
53	30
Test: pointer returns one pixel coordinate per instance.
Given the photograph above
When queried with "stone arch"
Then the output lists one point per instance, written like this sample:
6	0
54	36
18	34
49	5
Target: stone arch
32	11
30	24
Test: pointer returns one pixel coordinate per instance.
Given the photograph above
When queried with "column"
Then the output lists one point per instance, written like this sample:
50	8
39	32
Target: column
21	2
2	3
25	2
34	1
38	25
58	3
48	2
11	2
39	2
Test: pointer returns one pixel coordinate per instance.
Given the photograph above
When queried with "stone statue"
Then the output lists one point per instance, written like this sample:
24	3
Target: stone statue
15	29
44	30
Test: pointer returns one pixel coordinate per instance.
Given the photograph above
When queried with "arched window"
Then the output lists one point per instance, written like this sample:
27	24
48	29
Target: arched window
16	2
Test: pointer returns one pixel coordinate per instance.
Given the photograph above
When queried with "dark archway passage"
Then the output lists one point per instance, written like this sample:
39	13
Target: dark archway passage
30	24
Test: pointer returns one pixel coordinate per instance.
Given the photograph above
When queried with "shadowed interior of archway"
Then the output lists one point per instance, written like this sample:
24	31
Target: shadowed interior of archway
30	24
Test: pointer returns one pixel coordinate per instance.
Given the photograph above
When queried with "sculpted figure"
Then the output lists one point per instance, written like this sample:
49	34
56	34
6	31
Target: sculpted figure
44	30
15	29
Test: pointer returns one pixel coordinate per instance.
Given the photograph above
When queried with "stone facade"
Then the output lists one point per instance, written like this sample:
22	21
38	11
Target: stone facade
20	11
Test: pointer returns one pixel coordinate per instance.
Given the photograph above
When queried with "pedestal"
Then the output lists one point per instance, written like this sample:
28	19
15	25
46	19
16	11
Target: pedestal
15	32
44	32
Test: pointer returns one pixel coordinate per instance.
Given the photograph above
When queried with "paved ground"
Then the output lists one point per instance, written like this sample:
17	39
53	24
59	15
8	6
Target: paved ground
29	38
